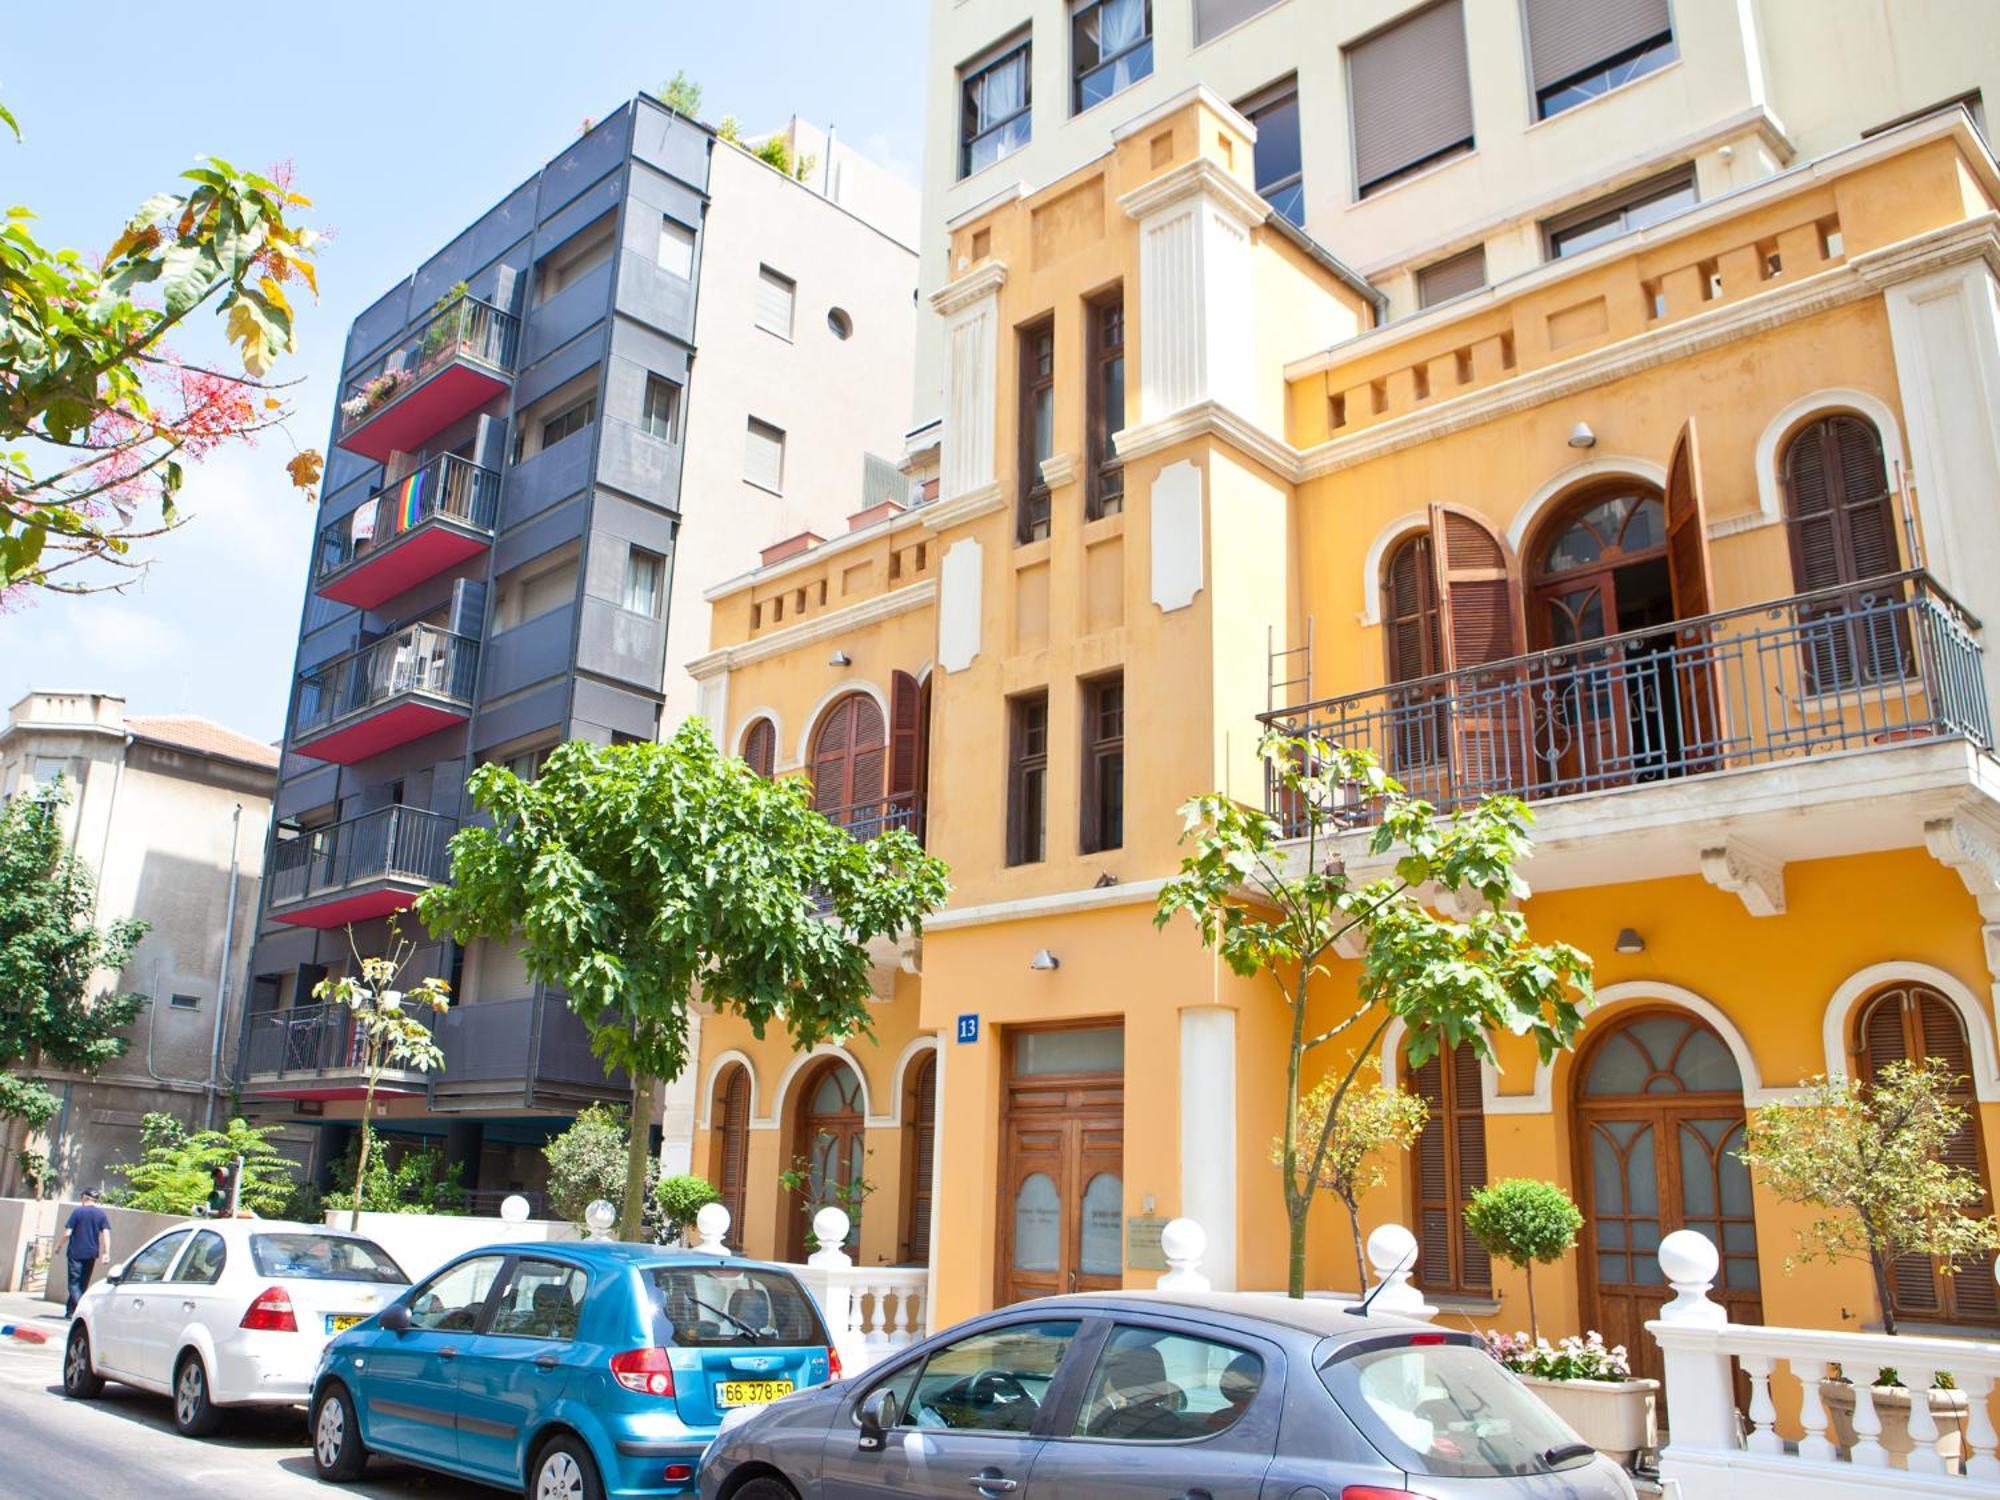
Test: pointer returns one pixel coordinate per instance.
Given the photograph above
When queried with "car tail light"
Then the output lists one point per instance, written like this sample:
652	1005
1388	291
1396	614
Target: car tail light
1375	1492
1426	1340
678	1473
832	1364
645	1371
271	1312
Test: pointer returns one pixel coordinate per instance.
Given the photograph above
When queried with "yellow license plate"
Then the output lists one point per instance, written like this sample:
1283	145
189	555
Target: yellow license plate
341	1322
752	1392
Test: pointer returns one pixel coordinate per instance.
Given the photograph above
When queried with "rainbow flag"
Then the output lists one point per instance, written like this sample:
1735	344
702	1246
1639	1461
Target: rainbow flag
404	505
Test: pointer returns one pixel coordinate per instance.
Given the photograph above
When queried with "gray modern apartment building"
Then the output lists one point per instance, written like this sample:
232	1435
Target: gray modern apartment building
653	357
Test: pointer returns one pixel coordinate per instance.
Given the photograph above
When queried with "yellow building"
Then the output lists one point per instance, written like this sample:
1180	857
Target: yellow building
1684	538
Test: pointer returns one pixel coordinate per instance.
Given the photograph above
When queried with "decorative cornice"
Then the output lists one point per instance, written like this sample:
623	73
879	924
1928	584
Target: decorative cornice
1756	878
851	617
944	514
1058	469
985	280
1934	250
1198	178
1969	847
1209	419
1061	903
1201	93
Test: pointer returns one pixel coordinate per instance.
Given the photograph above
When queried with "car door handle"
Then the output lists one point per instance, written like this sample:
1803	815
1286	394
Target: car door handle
992	1481
187	1307
545	1361
448	1352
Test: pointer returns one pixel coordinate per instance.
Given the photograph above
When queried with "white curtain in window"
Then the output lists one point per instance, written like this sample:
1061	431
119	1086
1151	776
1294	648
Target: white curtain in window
1121	23
1004	90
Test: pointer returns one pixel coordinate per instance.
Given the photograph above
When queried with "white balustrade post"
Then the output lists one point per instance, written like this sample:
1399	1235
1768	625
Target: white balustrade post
1183	1242
1701	1398
829	1227
1868	1450
1392	1256
1763	1413
1813	1441
1924	1455
711	1226
1981	1440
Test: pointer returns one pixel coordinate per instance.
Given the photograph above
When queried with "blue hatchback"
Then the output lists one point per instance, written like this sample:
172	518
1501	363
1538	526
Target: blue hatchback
566	1371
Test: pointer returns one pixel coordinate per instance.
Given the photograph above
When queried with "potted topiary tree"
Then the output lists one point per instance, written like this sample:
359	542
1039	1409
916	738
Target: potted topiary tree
1589	1385
1875	1158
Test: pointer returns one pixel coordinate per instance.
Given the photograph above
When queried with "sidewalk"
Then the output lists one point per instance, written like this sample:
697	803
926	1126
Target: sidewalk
32	1312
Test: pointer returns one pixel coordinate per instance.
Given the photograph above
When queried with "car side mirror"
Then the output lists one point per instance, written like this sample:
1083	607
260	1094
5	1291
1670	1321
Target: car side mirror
116	1274
395	1317
878	1415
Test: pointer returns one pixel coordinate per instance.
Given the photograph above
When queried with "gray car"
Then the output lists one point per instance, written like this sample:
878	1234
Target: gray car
1169	1397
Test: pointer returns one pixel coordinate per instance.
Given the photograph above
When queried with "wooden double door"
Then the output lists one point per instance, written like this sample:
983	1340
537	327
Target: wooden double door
1062	1204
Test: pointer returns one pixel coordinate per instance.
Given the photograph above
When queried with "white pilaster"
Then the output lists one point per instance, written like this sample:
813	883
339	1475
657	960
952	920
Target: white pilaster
1208	1135
970	307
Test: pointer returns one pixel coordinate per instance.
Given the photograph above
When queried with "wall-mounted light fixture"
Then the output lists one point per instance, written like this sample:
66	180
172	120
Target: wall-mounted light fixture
1580	436
840	659
1629	941
1044	962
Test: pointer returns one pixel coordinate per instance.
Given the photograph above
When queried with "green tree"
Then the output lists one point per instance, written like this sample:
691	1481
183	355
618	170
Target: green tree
1280	910
401	1179
50	949
681	94
1372	1121
587	1161
96	412
1874	1157
176	1169
641	876
392	1029
1523	1221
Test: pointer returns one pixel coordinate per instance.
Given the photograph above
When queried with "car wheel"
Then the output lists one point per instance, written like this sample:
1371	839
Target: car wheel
563	1470
765	1489
338	1453
194	1413
80	1380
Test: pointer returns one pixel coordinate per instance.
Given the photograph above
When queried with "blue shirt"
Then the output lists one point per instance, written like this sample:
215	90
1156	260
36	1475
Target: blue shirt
87	1228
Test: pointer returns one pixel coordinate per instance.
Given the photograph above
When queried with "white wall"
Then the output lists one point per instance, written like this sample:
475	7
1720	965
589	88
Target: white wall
421	1243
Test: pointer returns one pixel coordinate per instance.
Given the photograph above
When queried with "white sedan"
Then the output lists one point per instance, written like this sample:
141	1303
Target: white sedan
229	1313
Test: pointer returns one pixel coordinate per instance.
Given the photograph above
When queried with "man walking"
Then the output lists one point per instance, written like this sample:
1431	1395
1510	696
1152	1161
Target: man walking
88	1234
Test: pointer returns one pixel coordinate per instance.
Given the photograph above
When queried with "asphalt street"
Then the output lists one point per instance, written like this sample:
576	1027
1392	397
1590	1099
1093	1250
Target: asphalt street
124	1447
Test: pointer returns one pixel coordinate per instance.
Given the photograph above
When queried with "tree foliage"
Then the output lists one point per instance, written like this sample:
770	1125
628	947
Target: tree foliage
637	877
1874	1157
1524	1222
587	1162
50	948
97	413
681	94
402	1179
176	1168
1279	906
1372	1121
679	1198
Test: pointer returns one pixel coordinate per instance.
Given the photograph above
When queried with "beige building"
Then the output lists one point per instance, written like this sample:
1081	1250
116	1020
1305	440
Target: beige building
171	813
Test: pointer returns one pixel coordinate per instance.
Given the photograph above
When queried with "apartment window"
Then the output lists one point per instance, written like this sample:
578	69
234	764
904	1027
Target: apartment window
1279	164
1104	764
1038	425
676	249
1410	91
1454	276
775	296
527	764
643	573
529	596
570	420
1213	17
566	266
1107	406
764	456
185	1002
1111	48
663	408
995	99
1027	778
1639	207
1579	49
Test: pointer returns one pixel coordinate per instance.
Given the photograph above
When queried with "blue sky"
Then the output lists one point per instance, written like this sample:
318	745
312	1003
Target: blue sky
403	122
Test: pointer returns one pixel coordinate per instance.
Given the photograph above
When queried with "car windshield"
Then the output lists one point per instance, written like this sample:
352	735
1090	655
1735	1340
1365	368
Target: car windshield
324	1257
1448	1410
702	1307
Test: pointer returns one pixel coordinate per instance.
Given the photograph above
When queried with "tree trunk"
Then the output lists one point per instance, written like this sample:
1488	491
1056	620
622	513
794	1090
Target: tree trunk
361	1169
638	1160
1360	1256
1534	1328
1296	1285
1878	1265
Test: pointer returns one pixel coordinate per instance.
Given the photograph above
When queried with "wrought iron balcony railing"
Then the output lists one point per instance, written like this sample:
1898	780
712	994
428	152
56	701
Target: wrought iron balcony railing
448	488
864	820
402	844
304	1042
1892	660
464	329
424	660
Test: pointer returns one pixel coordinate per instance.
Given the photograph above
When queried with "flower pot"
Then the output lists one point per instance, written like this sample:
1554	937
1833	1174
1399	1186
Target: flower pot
1892	1408
1616	1417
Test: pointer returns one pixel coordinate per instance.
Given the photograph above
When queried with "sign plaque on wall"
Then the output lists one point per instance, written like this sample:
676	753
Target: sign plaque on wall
1142	1243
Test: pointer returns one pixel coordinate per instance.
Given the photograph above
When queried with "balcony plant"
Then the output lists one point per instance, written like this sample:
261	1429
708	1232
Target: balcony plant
442	333
374	394
1588	1384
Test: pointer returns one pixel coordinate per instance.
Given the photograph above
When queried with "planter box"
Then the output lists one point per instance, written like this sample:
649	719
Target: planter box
1616	1417
1949	1410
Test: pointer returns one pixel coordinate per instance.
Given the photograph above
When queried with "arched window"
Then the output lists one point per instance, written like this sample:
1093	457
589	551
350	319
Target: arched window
1837	504
1449	1163
730	1131
920	1123
829	1146
849	757
1907	1023
1410	610
760	747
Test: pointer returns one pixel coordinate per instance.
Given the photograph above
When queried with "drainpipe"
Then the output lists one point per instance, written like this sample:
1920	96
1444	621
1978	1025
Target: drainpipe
222	978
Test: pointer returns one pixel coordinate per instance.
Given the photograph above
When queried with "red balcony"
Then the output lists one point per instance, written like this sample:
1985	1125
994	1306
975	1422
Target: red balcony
414	529
385	694
367	866
457	361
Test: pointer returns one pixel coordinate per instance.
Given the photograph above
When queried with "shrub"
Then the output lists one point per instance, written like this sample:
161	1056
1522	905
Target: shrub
175	1172
587	1161
678	1199
1523	1221
404	1179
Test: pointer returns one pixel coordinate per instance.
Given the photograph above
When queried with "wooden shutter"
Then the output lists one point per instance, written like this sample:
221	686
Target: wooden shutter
923	1149
1450	1164
1812	518
1410	92
922	825
1468	1124
850	755
1432	1170
1839	510
760	748
1687	529
830	756
1568	37
1478	625
733	1149
905	710
1410	609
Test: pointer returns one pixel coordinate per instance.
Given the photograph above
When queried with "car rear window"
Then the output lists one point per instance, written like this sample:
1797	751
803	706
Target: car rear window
1449	1411
707	1307
324	1257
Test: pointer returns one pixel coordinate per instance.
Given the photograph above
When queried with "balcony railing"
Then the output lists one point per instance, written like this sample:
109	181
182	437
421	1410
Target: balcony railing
447	488
1892	660
466	328
392	844
864	820
304	1042
502	1041
420	660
